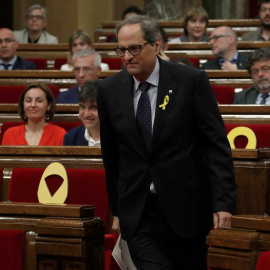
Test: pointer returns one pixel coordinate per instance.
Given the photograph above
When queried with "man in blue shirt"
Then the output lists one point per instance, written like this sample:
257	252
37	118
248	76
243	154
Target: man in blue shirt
223	41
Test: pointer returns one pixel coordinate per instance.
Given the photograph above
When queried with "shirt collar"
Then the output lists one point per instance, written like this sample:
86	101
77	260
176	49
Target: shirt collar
90	140
12	62
152	79
233	61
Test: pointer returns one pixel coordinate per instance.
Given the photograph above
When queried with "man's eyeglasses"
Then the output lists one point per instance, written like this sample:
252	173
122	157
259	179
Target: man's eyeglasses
264	9
133	49
264	69
216	37
32	17
85	70
7	40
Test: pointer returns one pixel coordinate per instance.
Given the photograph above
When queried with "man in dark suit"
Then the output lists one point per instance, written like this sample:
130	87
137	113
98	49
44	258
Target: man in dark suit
8	58
258	66
168	163
89	132
223	41
86	68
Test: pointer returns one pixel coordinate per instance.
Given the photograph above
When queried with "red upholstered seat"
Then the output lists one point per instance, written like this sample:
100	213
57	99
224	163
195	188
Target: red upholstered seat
263	262
113	62
195	61
11	249
41	63
224	94
11	94
66	125
262	133
86	186
58	62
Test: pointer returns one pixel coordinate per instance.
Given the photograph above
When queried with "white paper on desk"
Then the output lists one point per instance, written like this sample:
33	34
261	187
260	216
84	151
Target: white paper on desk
122	256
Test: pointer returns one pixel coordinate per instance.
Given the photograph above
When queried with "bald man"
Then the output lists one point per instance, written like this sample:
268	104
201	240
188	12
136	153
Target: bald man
223	41
8	58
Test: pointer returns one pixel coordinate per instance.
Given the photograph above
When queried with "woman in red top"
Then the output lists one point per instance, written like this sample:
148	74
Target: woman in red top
36	107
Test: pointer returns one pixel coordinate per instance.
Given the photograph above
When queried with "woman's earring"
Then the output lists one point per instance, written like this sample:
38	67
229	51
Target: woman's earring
47	117
24	117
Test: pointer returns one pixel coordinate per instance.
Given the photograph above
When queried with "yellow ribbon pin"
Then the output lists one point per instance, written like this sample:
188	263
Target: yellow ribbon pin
164	104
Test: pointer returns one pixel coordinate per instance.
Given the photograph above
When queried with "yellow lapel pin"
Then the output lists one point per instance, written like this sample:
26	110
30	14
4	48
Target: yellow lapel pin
165	102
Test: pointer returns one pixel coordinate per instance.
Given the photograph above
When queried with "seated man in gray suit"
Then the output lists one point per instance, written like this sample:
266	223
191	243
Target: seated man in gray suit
258	66
35	27
8	47
86	65
223	41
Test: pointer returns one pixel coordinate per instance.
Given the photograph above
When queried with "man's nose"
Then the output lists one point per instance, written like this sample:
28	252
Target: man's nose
81	73
128	55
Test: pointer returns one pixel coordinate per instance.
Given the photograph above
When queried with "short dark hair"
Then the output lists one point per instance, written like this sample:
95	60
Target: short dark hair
88	91
79	34
149	27
260	2
132	9
49	96
194	11
258	55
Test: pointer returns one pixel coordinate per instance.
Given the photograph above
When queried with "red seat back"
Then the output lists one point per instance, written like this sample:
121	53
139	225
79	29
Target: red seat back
11	94
262	133
85	186
195	61
41	63
224	94
58	62
113	62
66	125
263	262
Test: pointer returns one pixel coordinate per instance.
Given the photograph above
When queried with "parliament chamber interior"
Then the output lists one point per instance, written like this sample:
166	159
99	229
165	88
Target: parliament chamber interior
77	234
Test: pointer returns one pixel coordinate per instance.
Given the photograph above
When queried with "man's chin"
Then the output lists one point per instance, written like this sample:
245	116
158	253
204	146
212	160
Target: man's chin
266	25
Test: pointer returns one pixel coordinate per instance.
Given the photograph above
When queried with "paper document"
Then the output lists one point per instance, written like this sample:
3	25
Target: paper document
122	256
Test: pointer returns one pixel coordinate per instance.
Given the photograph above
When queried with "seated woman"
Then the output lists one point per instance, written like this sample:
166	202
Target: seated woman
195	24
36	107
79	40
89	132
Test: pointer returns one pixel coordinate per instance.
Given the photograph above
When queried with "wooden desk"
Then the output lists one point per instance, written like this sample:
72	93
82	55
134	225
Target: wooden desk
238	248
57	236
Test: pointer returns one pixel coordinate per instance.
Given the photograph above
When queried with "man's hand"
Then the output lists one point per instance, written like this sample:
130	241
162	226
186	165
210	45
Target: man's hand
229	66
222	219
116	225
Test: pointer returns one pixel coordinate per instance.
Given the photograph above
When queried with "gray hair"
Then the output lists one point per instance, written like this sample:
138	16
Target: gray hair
36	6
150	27
86	52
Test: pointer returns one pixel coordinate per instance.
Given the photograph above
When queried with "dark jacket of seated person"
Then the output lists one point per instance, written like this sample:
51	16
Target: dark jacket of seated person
36	108
87	134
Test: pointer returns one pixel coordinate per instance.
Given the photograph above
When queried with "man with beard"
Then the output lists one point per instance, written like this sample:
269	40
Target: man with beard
258	66
263	33
223	41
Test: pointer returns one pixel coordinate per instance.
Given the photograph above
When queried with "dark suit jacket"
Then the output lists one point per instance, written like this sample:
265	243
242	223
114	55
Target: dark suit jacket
214	63
190	152
76	136
23	64
71	96
247	96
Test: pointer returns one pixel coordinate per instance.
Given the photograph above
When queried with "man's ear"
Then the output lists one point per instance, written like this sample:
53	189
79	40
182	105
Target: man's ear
157	46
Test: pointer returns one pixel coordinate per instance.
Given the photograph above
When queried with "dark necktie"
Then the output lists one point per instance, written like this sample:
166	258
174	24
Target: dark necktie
264	97
143	114
6	66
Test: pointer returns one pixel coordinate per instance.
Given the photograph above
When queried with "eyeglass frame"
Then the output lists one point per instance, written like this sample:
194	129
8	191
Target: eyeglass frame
85	70
7	40
264	69
264	9
38	17
216	37
128	48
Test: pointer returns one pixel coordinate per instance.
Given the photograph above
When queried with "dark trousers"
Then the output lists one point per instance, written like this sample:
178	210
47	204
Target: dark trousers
156	246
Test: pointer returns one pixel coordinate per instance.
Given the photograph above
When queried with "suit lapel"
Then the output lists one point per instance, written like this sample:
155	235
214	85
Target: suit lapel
166	87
